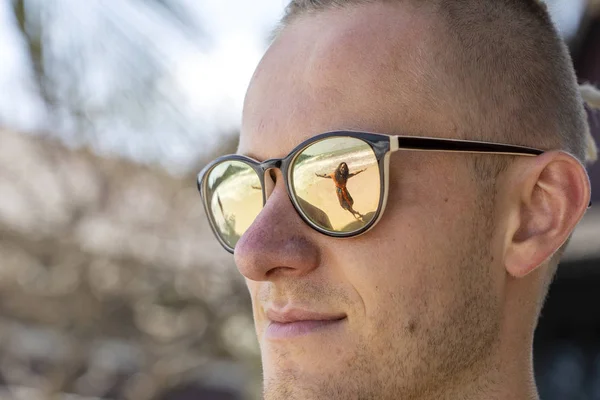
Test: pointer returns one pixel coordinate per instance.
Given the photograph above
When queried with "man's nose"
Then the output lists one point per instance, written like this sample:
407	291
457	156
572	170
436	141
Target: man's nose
278	242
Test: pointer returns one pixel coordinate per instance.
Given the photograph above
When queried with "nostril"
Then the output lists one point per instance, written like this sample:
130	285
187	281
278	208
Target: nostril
278	271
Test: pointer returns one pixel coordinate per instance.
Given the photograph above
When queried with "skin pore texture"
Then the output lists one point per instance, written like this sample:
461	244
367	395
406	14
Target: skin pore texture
441	298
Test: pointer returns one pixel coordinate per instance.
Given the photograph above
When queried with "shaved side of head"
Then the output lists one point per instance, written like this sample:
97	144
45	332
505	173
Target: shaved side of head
508	75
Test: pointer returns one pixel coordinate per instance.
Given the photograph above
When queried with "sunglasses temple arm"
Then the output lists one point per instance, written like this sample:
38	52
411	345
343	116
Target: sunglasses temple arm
459	146
463	146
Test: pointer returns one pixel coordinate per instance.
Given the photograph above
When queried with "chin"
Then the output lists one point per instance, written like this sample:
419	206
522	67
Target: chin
306	373
301	359
306	382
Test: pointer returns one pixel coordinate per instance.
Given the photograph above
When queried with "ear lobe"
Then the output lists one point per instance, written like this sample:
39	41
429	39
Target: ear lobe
551	197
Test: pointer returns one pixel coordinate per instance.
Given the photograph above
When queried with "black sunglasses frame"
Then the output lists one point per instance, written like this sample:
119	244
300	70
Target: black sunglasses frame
382	146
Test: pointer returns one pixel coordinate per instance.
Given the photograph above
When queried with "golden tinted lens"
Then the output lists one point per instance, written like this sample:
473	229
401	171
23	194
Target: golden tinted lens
336	183
234	198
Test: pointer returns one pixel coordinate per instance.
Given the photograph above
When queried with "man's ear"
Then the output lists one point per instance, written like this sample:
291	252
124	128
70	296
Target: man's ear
549	195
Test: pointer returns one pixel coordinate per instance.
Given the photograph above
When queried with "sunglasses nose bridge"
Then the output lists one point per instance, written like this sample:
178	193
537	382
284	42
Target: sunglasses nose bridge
267	167
271	164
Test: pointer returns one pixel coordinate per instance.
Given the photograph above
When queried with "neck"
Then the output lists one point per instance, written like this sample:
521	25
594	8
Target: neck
507	374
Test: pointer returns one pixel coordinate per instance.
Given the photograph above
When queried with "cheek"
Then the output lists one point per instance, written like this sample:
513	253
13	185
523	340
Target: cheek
253	288
257	312
409	268
386	282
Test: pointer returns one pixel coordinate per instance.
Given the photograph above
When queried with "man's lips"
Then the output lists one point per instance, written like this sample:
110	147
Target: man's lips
297	322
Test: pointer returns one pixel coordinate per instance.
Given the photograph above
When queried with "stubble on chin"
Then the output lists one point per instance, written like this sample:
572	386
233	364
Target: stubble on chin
412	362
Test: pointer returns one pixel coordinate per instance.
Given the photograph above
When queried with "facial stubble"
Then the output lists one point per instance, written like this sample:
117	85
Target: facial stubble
432	357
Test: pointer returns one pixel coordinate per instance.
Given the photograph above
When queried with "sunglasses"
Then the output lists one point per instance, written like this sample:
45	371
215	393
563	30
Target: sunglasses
336	181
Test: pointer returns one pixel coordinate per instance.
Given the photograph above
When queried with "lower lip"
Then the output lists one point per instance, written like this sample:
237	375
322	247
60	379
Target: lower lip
278	330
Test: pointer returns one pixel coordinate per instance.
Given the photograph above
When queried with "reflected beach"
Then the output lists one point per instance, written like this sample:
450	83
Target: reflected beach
340	178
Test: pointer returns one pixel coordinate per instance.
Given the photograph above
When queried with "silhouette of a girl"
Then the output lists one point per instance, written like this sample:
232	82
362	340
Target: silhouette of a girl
340	177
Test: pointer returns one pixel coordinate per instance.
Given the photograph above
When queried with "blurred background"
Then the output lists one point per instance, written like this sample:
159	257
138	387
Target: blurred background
111	284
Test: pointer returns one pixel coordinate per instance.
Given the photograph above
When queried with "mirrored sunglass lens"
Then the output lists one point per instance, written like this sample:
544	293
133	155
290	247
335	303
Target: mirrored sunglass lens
337	183
234	198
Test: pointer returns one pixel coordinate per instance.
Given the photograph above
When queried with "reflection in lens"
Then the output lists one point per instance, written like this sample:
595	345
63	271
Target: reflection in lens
336	183
234	198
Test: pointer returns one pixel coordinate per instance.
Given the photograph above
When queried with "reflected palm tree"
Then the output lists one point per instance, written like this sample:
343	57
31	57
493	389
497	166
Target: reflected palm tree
228	229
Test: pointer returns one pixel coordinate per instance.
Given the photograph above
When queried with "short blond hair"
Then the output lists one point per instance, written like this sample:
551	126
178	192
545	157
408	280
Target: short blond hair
509	72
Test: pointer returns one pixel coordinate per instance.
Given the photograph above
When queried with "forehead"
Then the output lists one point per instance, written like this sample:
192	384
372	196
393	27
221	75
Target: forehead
362	68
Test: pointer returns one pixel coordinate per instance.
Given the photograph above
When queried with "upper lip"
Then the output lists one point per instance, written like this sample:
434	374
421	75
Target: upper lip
296	314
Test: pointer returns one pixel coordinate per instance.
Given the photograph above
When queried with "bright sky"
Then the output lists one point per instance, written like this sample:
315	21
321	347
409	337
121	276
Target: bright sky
217	81
213	78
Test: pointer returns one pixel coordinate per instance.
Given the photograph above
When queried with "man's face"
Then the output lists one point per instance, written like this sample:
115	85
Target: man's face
419	297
